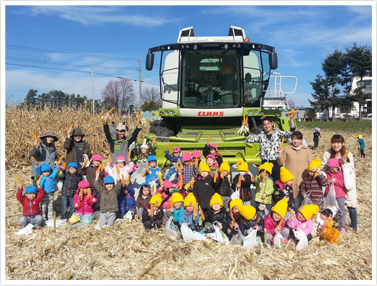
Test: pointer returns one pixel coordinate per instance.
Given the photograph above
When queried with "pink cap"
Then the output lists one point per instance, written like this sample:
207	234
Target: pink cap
96	157
186	156
121	159
176	149
168	185
211	156
196	154
333	163
213	146
84	184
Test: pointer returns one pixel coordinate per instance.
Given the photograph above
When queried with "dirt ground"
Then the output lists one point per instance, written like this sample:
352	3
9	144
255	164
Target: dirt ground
126	252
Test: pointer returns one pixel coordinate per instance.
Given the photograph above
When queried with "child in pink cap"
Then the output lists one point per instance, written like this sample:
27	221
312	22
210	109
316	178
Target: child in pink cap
188	171
212	149
90	173
120	170
83	201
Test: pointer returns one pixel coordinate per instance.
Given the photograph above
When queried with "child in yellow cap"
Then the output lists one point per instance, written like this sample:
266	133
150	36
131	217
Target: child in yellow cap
264	188
361	147
303	219
243	181
251	219
311	185
283	187
203	188
275	222
217	213
234	215
176	209
224	184
153	214
191	213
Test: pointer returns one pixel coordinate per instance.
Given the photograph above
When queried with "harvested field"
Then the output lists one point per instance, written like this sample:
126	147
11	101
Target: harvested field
126	252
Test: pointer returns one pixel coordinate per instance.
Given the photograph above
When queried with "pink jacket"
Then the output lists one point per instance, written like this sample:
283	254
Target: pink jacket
270	224
340	189
305	226
167	204
86	205
126	170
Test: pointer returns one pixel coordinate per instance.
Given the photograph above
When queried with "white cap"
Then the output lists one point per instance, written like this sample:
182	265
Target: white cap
144	146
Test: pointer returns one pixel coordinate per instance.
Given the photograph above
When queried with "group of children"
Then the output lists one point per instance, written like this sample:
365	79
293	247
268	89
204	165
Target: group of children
192	191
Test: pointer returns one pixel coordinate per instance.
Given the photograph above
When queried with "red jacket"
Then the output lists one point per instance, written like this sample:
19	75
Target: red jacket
30	208
270	224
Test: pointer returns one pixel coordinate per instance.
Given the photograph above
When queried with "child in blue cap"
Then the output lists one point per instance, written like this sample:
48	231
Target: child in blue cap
30	205
151	172
71	180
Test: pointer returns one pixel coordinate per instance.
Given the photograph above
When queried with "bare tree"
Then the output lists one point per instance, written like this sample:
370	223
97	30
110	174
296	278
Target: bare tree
291	104
119	94
151	94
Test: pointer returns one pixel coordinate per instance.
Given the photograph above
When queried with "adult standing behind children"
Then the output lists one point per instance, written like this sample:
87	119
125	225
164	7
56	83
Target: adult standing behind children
338	151
44	152
119	144
269	141
77	149
296	158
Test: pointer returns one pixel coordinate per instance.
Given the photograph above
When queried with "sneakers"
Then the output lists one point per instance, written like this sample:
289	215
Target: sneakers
342	230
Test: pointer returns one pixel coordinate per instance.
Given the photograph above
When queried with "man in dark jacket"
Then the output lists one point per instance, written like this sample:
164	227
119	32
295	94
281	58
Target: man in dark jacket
71	182
77	149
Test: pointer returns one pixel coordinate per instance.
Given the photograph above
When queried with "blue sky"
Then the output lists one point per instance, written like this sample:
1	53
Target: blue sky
43	42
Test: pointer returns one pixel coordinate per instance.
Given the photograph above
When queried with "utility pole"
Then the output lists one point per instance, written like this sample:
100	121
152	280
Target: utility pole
92	92
139	84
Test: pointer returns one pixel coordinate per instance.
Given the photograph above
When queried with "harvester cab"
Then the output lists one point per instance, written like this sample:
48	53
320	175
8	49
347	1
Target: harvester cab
209	86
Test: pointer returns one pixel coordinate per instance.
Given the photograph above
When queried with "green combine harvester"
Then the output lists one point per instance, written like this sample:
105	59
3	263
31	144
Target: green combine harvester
208	86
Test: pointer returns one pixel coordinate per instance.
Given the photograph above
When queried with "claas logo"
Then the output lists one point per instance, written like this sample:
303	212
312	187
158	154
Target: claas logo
211	113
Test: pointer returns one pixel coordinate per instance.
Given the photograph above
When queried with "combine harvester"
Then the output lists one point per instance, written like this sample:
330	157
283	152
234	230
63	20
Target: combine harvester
209	86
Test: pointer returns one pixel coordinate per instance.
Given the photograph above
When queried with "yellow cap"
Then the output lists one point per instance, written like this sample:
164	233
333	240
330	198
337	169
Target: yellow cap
190	200
225	166
176	197
360	136
216	199
242	166
281	207
156	199
308	211
204	167
235	202
285	175
247	211
266	166
314	165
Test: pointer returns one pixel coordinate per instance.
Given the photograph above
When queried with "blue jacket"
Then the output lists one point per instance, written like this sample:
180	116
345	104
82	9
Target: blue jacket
245	225
187	217
126	201
152	175
177	213
171	158
47	183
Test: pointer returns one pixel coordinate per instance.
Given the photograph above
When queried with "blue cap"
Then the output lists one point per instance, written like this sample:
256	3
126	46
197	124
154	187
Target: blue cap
108	180
145	184
152	158
73	164
45	167
31	190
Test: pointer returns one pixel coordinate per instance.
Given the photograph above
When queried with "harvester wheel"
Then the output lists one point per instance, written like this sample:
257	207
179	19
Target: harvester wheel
162	128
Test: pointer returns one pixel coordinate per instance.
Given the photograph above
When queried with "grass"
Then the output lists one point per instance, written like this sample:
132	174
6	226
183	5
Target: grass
353	126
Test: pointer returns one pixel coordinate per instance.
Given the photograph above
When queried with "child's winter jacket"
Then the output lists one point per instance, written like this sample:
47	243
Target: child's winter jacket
126	201
84	206
30	208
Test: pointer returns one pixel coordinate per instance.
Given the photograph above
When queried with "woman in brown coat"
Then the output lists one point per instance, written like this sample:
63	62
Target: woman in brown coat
77	149
296	158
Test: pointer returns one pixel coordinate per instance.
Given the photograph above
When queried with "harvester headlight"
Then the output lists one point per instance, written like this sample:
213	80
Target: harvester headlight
250	112
239	45
234	45
187	46
168	47
166	112
171	113
226	46
183	46
261	112
255	111
195	47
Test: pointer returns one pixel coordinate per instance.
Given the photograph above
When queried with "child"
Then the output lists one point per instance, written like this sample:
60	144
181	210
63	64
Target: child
48	185
311	185
188	171
151	172
71	181
77	149
212	164
84	200
264	188
153	214
303	220
203	188
190	215
30	205
120	170
234	215
176	210
283	187
335	176
328	213
275	222
109	201
361	142
217	213
144	152
126	201
171	173
212	149
251	219
144	196
196	157
316	136
90	173
225	184
242	181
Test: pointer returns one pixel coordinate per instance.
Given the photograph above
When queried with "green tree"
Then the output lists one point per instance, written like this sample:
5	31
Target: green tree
31	97
149	106
311	114
321	95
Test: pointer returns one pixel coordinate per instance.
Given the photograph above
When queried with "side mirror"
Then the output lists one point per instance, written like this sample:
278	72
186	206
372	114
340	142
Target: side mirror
149	61
273	57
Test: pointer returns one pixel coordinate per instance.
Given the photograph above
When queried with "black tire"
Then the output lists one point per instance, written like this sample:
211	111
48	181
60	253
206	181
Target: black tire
162	128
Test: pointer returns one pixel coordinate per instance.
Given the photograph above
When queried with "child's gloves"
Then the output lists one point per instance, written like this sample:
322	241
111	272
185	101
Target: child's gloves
79	205
92	200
